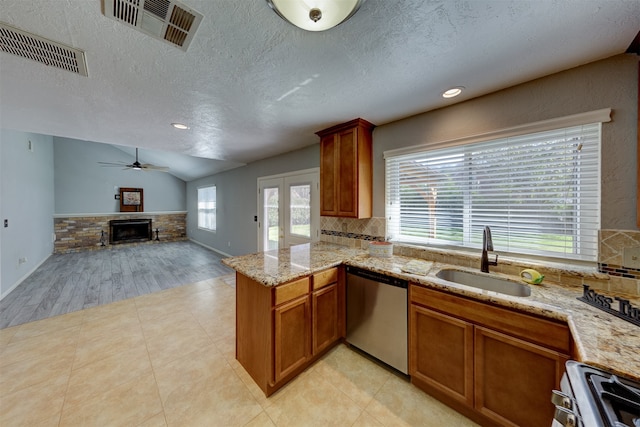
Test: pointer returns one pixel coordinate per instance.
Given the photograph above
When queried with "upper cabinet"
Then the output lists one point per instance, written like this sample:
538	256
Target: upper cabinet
346	170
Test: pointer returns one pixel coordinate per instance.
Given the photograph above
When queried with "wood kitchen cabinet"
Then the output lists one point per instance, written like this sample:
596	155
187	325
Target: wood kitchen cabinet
495	365
442	352
292	336
328	315
346	178
514	379
283	329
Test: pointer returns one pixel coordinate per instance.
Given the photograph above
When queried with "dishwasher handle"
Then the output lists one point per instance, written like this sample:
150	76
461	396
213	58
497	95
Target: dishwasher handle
377	277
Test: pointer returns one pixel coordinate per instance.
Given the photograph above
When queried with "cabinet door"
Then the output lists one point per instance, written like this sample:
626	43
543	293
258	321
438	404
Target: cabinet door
514	379
328	176
292	337
441	352
348	173
325	317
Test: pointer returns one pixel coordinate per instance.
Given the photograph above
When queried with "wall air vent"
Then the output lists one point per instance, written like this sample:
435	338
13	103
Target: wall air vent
45	51
169	21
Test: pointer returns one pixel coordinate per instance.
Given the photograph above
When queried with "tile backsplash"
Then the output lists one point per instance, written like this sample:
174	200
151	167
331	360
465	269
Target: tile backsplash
611	274
611	246
355	233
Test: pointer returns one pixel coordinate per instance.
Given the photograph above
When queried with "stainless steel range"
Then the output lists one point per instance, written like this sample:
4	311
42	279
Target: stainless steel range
591	397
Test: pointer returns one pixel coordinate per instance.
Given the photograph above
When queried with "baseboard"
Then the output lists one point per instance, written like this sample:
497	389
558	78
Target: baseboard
210	248
23	278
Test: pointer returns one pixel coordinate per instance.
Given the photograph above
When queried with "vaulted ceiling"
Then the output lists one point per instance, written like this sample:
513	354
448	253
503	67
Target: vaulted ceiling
251	85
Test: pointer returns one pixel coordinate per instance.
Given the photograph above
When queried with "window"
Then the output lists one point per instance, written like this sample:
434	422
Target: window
539	193
207	208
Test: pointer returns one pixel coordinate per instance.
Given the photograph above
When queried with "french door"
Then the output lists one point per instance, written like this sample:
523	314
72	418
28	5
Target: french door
288	209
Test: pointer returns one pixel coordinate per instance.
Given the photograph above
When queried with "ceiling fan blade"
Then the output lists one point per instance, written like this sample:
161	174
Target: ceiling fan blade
154	168
135	165
107	164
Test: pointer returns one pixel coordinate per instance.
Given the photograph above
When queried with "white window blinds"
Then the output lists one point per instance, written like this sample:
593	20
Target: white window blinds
539	193
207	207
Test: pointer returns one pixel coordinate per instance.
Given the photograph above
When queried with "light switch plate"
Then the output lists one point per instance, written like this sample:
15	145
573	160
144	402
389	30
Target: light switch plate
631	257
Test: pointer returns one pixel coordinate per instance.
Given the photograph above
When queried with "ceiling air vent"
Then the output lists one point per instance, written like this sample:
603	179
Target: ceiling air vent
169	21
45	51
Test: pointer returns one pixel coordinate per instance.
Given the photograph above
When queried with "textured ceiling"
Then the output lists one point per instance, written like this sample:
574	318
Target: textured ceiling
251	85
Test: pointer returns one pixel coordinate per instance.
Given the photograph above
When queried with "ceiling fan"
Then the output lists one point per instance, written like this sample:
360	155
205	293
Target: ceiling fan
137	166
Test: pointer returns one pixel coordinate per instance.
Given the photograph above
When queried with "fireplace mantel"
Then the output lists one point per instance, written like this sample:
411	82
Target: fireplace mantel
117	214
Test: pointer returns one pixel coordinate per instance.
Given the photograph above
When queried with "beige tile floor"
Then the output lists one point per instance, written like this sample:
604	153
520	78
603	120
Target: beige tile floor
167	359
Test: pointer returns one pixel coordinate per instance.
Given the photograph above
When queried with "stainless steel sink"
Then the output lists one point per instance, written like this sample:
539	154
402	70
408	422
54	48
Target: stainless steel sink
484	281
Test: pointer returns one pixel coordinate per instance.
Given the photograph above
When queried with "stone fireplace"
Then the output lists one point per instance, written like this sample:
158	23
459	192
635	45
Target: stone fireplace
129	230
81	232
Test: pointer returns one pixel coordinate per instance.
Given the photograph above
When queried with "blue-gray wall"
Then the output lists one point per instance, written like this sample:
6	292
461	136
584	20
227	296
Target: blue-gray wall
83	186
610	83
27	202
237	198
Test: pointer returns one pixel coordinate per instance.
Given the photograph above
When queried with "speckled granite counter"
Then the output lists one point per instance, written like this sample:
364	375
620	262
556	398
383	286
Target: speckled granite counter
272	268
601	339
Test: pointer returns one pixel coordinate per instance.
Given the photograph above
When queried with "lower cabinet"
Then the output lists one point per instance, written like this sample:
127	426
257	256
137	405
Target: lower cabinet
495	365
292	344
514	379
281	330
442	352
325	317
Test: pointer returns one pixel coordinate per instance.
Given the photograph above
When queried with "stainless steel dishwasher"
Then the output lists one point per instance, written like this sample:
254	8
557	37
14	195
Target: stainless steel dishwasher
377	316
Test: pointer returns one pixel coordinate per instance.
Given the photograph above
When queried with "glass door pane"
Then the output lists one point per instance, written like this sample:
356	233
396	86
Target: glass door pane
300	210
270	214
271	218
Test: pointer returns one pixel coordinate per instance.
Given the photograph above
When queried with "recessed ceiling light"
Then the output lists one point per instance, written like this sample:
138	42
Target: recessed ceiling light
179	126
453	92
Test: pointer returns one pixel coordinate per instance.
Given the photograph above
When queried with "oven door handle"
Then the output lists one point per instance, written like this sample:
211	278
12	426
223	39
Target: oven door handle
561	399
566	417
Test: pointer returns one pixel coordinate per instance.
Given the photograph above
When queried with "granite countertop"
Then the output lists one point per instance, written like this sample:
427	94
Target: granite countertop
272	268
601	339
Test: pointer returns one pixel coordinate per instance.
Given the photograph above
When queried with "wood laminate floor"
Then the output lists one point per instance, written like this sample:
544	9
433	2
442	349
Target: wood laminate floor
65	283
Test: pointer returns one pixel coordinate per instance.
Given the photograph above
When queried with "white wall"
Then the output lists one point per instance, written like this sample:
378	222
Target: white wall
610	83
236	192
83	186
27	195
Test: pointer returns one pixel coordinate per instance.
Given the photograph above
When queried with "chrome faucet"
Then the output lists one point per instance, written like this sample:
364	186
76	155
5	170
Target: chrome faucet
487	245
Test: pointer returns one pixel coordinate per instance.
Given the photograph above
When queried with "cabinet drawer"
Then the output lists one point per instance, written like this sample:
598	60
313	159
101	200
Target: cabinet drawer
545	332
291	290
325	278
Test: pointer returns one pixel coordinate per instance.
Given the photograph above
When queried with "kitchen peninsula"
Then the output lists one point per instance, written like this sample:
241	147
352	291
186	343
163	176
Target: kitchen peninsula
287	298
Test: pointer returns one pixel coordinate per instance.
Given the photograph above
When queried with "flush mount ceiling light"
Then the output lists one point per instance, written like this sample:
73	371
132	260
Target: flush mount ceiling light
180	126
315	15
453	92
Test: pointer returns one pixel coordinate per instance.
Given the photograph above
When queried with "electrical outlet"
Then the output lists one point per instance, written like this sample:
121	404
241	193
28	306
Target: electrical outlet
631	257
22	260
229	244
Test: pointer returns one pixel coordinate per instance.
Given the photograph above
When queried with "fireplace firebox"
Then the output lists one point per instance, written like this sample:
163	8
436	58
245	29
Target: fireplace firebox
129	230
